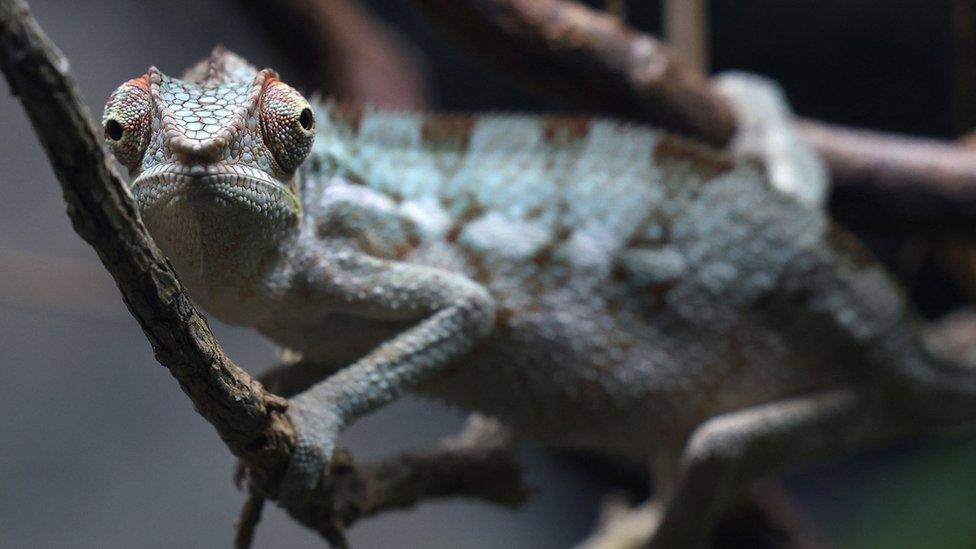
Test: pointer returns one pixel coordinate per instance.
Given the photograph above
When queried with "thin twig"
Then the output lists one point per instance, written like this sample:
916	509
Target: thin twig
962	25
686	30
247	522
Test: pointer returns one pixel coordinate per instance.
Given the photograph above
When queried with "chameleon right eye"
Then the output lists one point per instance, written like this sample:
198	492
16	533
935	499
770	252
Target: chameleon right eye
113	130
287	123
127	121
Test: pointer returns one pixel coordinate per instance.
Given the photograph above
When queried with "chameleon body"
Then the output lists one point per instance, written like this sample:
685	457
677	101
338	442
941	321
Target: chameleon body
589	283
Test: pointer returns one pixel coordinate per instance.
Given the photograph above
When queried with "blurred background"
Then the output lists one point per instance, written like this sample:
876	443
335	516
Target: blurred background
98	446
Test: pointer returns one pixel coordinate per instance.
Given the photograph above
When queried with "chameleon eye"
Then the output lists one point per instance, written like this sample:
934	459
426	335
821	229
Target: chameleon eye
127	122
113	130
306	119
287	124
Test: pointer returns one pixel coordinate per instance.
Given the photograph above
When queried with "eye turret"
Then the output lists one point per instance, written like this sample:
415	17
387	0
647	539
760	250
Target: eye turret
287	124
127	122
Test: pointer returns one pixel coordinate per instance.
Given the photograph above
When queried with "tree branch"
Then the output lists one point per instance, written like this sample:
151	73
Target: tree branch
921	186
573	52
594	60
102	212
686	29
250	420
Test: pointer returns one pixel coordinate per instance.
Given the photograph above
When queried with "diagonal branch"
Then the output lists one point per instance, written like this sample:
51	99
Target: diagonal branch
250	420
589	58
247	418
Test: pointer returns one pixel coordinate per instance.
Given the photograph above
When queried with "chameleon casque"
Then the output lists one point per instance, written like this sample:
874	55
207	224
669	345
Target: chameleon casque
588	283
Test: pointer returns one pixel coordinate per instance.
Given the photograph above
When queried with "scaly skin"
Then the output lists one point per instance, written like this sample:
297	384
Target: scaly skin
589	283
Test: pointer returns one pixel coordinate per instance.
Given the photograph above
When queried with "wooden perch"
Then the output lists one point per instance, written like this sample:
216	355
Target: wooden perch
102	212
250	420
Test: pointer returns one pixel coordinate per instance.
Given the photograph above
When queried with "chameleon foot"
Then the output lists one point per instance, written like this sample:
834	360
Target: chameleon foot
317	432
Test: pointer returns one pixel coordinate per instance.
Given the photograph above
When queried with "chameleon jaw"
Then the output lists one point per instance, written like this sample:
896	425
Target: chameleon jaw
251	188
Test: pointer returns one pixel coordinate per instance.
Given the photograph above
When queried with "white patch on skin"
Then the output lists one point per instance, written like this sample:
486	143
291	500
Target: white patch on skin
496	235
614	181
506	168
654	265
591	247
431	218
392	158
340	191
766	132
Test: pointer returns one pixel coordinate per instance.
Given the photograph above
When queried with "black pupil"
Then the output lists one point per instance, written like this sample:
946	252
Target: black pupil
113	130
305	119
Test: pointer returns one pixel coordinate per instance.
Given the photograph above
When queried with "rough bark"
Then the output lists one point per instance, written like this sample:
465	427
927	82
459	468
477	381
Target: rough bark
588	58
102	212
250	420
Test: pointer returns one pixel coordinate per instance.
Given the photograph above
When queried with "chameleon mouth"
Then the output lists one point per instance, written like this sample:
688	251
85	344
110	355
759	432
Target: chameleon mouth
168	183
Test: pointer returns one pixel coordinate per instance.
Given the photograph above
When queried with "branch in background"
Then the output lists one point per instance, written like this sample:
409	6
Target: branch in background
686	30
882	182
898	184
958	256
954	337
617	8
962	23
589	59
250	420
345	51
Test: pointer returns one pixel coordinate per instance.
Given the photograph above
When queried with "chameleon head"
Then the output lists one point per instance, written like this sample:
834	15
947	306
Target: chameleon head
213	157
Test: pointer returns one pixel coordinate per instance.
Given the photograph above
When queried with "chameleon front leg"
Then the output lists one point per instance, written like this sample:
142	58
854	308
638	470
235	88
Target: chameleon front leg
453	314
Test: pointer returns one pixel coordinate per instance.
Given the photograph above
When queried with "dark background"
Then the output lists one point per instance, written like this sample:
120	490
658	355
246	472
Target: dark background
98	447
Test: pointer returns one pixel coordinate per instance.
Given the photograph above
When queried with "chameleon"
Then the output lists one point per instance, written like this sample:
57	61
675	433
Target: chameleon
585	282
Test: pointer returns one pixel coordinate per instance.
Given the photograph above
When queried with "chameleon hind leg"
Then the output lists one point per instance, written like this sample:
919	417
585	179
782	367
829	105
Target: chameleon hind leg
849	294
729	451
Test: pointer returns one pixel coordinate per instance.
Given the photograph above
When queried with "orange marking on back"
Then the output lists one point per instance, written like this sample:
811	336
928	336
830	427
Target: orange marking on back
707	161
440	129
348	114
566	128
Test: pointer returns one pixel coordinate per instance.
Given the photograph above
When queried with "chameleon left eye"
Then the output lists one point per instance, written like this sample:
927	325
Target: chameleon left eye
287	124
127	122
